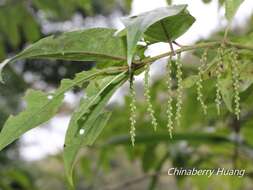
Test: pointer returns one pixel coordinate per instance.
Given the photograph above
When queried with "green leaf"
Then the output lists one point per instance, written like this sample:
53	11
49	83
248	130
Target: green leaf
38	111
227	92
246	77
86	122
40	108
98	126
231	8
209	72
2	49
128	5
245	81
169	2
97	44
158	25
206	1
30	28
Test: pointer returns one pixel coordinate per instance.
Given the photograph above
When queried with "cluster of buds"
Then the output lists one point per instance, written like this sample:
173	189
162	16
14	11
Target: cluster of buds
179	89
235	76
218	75
132	111
170	99
148	97
233	56
203	62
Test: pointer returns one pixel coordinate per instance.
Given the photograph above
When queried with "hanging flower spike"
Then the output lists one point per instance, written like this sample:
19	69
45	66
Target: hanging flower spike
235	76
148	97
170	99
218	76
132	110
203	62
179	89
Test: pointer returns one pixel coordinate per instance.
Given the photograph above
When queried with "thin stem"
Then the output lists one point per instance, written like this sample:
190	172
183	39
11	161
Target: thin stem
183	49
209	45
139	64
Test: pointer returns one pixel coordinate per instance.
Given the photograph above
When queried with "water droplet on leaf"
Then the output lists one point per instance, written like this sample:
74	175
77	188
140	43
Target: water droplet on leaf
50	97
82	131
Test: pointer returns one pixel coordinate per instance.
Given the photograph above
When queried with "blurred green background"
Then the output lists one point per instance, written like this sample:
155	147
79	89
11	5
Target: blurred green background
201	141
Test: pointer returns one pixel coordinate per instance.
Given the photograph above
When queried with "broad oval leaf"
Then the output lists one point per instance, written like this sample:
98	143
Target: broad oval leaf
86	124
231	8
159	25
40	108
97	44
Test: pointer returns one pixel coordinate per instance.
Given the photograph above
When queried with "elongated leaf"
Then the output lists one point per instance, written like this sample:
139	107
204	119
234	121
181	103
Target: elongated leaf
162	24
231	8
40	108
89	137
97	44
83	127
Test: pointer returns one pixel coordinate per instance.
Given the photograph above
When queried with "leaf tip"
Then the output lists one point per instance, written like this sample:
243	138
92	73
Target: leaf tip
71	182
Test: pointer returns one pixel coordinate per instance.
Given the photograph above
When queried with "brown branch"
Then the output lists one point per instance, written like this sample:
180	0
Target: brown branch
139	64
215	44
183	49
